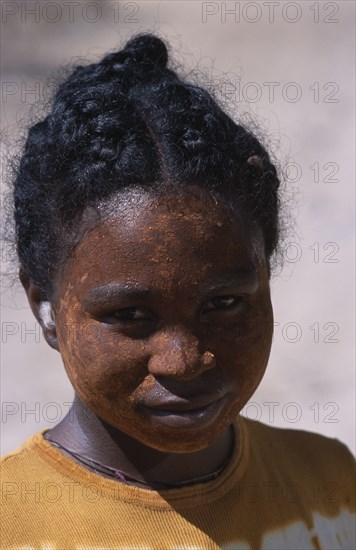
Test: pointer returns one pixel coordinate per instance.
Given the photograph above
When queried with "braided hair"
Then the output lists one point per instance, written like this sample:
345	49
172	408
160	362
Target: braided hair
128	121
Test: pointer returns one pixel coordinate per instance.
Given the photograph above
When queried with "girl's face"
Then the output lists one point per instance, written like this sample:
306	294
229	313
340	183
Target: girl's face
164	319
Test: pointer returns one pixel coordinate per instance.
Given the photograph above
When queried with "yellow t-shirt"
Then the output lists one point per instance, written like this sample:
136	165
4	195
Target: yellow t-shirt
282	489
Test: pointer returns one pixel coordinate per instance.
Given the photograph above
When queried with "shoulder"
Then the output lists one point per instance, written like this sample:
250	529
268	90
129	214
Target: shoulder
274	436
300	442
289	435
18	463
300	451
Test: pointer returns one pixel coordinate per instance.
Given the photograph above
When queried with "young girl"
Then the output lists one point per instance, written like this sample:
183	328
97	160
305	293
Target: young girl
146	220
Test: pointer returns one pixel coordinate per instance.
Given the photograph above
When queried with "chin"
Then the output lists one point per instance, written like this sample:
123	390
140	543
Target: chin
182	441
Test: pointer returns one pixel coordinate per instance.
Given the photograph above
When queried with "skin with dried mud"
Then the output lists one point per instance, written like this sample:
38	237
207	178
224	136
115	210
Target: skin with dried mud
162	301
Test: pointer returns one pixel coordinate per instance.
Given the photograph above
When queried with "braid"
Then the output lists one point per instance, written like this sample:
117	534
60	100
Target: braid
126	121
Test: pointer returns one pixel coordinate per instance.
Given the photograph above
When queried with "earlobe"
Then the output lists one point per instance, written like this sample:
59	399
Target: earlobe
46	319
42	310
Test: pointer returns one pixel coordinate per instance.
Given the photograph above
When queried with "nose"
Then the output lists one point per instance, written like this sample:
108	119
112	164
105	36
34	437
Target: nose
176	354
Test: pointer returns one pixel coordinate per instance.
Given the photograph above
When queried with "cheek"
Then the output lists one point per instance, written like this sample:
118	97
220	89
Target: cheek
259	348
100	364
246	348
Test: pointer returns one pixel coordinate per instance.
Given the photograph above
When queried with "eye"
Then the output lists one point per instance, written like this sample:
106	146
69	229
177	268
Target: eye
223	303
127	315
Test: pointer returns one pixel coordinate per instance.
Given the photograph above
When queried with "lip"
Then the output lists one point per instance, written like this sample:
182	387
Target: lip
179	396
188	404
178	413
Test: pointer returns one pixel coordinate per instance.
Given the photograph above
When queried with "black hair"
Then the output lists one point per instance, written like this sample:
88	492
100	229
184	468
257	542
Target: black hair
128	121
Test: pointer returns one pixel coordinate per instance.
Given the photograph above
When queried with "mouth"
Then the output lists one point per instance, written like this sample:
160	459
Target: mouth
185	413
184	405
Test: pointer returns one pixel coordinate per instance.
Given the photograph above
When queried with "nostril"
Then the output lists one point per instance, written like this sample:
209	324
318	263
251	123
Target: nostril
181	364
208	359
177	352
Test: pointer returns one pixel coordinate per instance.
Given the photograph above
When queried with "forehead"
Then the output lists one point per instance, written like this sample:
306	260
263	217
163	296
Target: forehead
167	218
165	240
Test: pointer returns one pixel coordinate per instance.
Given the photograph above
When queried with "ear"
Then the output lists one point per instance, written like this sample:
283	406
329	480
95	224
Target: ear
269	270
41	308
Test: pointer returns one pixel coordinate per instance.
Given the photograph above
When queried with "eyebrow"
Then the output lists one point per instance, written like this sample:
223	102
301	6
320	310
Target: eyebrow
242	277
113	290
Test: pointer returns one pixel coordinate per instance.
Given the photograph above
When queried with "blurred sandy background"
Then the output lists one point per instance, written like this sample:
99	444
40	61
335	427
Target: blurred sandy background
290	64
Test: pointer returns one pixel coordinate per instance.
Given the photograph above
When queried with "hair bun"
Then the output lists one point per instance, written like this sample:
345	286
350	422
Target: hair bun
144	48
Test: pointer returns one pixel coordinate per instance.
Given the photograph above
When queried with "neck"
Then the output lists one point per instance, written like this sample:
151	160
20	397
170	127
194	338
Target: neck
86	434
